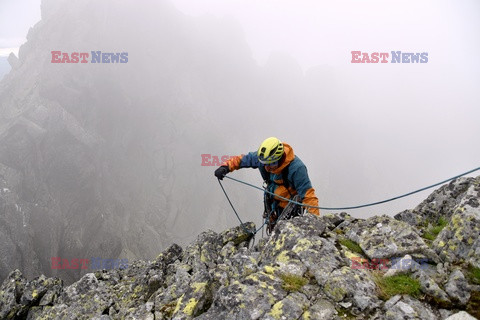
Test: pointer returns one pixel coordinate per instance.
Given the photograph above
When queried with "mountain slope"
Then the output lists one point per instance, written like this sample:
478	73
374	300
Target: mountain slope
306	270
96	160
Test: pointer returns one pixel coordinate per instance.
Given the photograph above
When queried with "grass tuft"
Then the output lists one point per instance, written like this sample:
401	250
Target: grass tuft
433	231
351	245
399	284
473	274
292	283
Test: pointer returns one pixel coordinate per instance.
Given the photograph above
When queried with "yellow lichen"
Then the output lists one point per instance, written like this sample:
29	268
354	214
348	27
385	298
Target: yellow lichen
179	303
190	307
199	286
271	298
302	245
253	277
336	292
306	315
277	310
269	269
351	255
283	257
280	243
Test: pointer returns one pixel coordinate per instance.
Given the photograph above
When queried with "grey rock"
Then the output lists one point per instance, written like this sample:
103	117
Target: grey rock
404	265
36	289
444	313
300	272
297	244
322	309
352	285
462	315
405	307
458	288
13	60
458	241
430	287
473	255
292	307
203	253
439	203
238	234
10	292
384	237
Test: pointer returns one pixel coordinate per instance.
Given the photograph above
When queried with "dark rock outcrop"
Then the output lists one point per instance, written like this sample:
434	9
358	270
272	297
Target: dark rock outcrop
94	158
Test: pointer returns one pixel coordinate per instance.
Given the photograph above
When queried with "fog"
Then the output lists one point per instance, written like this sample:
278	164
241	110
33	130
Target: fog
112	152
368	131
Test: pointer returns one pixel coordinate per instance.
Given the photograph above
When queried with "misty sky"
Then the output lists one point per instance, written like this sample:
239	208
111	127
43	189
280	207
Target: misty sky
402	127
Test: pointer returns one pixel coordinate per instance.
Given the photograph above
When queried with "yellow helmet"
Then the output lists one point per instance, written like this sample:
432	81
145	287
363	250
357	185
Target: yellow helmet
270	151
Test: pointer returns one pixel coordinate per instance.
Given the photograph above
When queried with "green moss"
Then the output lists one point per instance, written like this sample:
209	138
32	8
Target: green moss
433	231
473	275
345	314
351	245
473	305
426	223
399	284
292	283
337	293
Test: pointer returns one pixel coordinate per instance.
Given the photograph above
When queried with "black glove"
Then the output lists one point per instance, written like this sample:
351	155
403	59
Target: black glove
221	172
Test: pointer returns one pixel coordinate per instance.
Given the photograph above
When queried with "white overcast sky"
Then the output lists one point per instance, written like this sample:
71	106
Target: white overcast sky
324	32
318	32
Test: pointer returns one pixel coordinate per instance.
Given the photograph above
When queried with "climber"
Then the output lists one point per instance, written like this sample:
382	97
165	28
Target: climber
283	172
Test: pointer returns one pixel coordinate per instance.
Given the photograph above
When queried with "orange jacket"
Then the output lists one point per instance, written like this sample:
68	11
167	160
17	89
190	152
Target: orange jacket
298	181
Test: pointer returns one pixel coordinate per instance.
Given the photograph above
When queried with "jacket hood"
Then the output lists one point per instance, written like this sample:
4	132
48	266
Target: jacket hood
289	156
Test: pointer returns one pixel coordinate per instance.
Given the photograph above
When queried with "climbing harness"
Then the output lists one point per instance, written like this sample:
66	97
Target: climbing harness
269	216
290	211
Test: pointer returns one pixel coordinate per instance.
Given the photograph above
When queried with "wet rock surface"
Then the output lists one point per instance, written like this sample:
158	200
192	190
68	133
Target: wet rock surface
304	270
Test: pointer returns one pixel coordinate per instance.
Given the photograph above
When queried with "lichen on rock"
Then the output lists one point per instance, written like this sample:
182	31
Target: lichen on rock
302	271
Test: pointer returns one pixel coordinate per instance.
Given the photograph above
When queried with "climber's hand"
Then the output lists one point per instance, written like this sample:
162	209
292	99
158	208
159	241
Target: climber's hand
221	172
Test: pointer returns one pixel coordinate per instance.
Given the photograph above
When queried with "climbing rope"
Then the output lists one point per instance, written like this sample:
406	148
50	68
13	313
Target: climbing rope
253	232
359	206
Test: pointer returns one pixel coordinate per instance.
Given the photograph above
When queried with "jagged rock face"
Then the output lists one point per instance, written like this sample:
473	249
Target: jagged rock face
457	203
383	237
302	271
440	203
95	159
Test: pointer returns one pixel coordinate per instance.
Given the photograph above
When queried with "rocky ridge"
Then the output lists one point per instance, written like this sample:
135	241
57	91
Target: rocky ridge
328	267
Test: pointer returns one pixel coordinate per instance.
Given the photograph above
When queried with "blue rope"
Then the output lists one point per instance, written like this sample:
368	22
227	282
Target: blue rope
353	207
254	232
